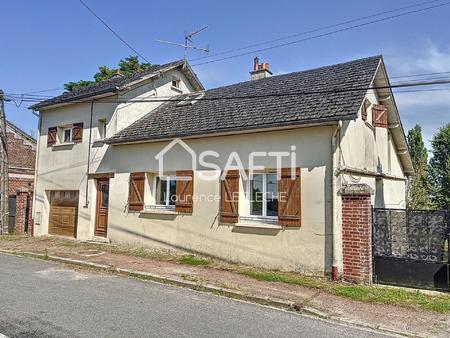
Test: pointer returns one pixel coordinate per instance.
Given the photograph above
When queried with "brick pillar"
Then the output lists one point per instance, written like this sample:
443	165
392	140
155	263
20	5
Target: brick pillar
357	233
23	211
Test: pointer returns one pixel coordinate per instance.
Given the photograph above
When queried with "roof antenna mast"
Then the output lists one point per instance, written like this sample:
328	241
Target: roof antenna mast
188	42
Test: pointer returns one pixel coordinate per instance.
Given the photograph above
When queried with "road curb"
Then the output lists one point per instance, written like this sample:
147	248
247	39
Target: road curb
208	288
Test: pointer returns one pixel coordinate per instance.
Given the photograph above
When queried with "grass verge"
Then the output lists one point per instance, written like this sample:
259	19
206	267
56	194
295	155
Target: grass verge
192	260
264	276
364	293
10	238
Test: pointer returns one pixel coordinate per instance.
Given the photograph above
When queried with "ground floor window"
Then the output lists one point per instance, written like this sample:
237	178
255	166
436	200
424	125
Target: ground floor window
264	195
166	190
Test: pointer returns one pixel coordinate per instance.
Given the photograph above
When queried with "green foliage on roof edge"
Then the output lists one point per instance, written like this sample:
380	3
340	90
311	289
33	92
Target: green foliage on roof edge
127	66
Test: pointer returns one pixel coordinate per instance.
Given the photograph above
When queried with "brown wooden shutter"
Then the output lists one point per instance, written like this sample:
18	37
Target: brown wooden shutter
185	191
229	197
379	116
289	199
77	132
51	136
136	195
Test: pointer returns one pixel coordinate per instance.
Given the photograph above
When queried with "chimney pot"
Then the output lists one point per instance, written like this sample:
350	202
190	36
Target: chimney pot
260	71
256	63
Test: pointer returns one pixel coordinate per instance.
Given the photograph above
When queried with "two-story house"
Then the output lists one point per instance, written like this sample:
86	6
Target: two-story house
252	172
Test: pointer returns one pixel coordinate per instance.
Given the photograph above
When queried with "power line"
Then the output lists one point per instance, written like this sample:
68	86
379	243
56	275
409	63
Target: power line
314	30
114	32
325	34
417	75
259	96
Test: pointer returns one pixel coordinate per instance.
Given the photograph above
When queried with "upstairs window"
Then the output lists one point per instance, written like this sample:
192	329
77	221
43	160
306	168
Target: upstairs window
66	136
102	129
175	82
365	109
264	195
166	191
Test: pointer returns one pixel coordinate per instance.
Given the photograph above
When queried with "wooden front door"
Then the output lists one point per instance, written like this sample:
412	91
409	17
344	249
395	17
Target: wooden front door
101	219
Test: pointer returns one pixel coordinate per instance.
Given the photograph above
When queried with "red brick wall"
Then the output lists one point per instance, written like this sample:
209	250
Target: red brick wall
357	237
21	156
23	216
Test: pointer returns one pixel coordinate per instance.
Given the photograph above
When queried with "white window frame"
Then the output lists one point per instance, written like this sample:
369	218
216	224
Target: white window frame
177	82
101	129
264	204
63	132
166	178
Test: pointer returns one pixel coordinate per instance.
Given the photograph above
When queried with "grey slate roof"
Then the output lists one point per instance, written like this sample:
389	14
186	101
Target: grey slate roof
104	86
216	114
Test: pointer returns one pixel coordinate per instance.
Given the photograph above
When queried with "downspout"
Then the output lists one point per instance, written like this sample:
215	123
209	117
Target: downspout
36	175
334	227
86	203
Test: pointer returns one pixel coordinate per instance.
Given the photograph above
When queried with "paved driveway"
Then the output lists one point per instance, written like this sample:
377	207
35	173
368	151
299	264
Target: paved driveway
45	299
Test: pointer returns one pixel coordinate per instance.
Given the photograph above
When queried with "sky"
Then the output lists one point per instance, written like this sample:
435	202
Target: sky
47	43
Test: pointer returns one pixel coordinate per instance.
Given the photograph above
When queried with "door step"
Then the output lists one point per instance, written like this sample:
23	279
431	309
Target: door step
99	239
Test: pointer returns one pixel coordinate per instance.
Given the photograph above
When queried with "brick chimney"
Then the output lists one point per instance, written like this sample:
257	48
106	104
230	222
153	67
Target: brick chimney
260	70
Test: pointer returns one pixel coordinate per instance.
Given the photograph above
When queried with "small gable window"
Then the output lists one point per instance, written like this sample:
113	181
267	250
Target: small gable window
175	82
102	129
365	109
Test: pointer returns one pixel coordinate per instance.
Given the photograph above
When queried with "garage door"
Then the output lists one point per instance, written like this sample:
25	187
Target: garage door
63	213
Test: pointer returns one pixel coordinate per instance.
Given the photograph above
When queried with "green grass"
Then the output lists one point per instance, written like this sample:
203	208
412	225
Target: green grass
192	260
393	296
309	282
10	238
364	293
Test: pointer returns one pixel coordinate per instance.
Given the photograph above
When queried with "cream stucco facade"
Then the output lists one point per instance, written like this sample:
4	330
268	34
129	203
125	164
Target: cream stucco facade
359	153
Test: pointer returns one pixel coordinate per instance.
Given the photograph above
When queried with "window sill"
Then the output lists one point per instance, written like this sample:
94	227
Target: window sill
98	143
63	145
259	225
176	89
153	210
258	222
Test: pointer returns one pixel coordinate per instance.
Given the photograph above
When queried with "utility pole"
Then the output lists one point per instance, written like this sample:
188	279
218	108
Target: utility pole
4	187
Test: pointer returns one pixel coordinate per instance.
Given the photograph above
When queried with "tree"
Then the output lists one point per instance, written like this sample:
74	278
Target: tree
440	167
419	184
70	86
127	66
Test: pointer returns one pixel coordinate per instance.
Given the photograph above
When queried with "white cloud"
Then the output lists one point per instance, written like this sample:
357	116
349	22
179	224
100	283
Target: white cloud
422	59
430	109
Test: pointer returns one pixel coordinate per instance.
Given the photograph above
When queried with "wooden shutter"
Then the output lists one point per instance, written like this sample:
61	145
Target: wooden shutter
136	195
379	116
77	132
289	199
185	191
51	136
229	197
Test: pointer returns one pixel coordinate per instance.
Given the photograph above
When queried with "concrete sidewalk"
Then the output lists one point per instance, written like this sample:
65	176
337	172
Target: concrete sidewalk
225	279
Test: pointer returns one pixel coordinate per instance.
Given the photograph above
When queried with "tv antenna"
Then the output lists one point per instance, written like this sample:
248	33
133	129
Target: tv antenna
188	42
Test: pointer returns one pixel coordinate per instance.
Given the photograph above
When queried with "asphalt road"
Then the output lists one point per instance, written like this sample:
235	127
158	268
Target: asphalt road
45	299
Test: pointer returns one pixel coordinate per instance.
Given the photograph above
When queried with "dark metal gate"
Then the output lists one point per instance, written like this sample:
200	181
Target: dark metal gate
411	248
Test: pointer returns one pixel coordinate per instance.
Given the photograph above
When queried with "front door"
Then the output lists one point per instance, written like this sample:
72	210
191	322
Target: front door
101	219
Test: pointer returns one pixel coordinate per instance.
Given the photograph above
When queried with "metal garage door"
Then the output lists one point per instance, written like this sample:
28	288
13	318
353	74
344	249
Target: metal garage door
63	213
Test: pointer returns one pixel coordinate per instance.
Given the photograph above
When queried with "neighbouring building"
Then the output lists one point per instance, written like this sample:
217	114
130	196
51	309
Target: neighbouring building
21	156
137	160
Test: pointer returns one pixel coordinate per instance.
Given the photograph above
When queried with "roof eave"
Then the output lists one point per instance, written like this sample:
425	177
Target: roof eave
399	137
243	130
